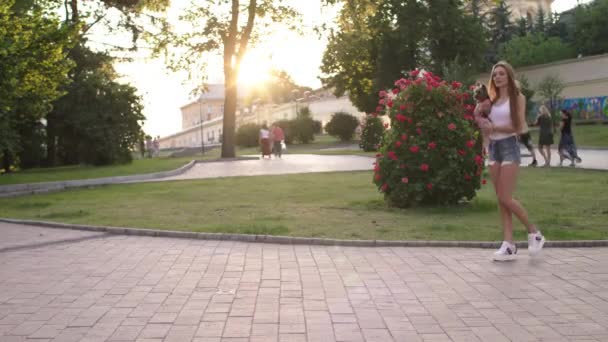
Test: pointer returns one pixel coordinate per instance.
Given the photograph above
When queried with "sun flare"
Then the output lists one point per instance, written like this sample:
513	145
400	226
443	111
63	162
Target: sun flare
255	69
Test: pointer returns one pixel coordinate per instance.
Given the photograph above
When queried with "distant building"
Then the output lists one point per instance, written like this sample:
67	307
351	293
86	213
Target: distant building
204	117
520	8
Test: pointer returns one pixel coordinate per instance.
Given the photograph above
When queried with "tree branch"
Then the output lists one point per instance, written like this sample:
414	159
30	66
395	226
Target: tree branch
246	32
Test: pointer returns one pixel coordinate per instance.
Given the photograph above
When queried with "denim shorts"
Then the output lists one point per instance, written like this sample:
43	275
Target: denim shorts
504	151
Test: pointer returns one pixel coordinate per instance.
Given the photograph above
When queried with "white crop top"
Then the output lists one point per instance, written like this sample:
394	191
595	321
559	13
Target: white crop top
501	116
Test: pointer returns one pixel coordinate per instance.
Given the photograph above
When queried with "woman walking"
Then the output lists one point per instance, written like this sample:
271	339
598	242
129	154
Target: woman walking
545	134
265	141
566	147
506	122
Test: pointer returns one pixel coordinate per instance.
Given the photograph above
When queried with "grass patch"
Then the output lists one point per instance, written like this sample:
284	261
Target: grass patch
150	165
138	166
567	204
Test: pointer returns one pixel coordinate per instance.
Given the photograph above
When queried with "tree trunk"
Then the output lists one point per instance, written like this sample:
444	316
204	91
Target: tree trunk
230	101
74	7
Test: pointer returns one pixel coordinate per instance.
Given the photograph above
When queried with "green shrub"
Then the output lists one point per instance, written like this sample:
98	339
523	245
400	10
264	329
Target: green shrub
342	125
317	127
371	134
303	127
432	154
248	135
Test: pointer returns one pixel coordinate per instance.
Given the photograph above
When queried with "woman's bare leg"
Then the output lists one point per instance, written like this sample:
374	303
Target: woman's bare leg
506	217
506	186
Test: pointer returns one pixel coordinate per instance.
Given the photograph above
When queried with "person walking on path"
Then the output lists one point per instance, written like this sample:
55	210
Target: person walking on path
506	122
265	141
566	147
545	134
524	137
526	140
278	136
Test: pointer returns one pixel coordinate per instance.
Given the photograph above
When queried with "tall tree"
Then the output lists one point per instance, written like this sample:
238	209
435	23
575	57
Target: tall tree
452	33
501	28
100	118
591	28
375	43
522	27
228	28
83	16
33	66
550	89
535	49
540	24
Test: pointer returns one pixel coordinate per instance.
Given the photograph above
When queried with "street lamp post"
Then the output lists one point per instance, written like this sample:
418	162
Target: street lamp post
295	99
200	113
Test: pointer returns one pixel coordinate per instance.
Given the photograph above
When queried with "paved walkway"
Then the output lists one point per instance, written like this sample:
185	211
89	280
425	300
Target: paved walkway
290	163
125	288
303	163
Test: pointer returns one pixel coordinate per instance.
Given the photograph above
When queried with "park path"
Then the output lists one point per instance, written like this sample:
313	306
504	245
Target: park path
65	285
305	163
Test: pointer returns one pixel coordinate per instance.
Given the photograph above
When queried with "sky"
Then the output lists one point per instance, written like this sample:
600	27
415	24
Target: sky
164	92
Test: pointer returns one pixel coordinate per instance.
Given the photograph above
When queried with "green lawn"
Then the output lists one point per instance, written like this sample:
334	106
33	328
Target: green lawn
140	166
584	136
566	204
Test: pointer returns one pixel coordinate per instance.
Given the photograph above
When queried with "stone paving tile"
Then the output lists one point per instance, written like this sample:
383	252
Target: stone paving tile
126	288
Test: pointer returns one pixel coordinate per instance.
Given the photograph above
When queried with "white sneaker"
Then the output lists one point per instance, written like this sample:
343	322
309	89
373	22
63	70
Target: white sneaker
506	252
536	241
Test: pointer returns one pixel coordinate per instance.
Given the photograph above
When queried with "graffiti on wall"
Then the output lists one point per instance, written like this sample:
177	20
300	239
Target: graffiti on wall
587	108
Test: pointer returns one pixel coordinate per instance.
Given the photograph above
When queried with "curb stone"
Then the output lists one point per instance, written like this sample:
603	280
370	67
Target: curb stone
34	188
288	240
14	190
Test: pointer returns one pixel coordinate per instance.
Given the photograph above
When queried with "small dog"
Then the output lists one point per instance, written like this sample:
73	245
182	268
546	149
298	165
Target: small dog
482	111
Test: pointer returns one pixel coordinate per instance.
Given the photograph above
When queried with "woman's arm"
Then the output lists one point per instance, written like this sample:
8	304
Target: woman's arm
521	112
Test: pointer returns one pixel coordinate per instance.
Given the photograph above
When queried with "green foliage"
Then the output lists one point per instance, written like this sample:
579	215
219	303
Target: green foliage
540	24
501	29
248	135
371	133
33	67
431	155
342	125
303	127
317	127
459	70
220	27
377	40
527	90
535	49
452	34
550	89
591	28
98	120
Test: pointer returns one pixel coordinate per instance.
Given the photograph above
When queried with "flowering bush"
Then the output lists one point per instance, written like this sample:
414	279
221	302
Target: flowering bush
432	153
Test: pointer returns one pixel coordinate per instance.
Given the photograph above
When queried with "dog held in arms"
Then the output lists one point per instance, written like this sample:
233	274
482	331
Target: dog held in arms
482	112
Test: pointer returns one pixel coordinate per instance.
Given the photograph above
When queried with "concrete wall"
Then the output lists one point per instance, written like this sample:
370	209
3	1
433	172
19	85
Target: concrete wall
582	77
586	84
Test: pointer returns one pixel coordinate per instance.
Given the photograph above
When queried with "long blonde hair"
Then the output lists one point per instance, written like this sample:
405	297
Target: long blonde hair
544	111
512	91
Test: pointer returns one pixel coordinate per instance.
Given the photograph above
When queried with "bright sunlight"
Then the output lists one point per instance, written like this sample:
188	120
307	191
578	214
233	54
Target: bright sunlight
255	68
